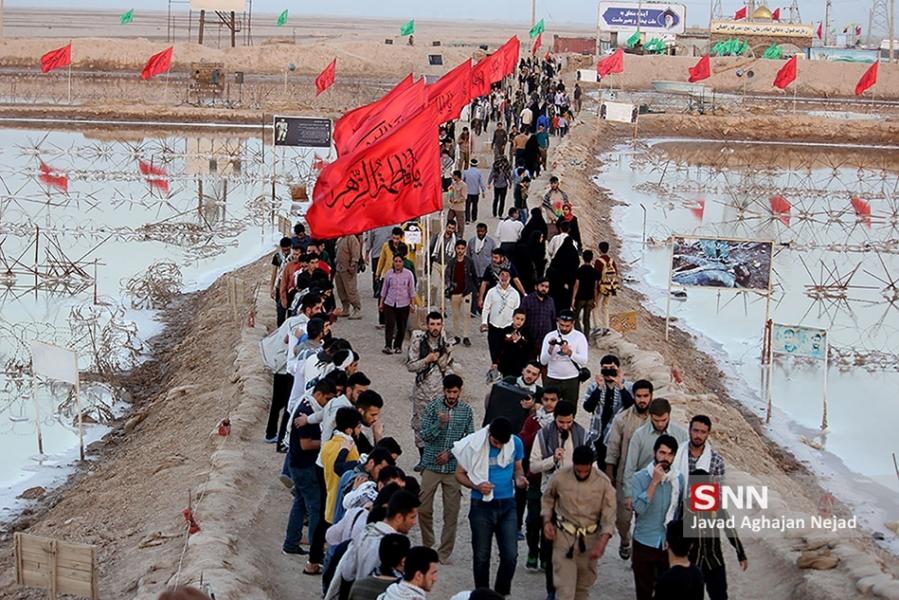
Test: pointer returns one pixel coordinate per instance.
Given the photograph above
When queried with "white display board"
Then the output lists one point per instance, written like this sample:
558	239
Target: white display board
621	112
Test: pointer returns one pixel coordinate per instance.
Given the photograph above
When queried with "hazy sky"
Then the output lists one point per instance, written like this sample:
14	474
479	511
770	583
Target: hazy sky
563	11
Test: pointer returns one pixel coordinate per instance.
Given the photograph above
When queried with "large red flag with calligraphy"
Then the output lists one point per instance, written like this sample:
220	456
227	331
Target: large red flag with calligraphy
392	181
451	93
347	125
510	51
392	115
487	72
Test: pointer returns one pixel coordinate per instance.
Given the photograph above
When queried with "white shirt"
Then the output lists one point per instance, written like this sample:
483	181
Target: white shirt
499	306
559	366
509	230
527	117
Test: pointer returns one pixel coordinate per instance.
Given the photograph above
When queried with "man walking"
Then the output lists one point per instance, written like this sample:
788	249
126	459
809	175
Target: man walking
489	464
374	241
430	358
623	426
445	421
500	139
348	261
683	580
641	448
442	251
578	517
699	453
540	315
583	297
460	282
499	307
480	250
609	281
474	183
564	352
656	491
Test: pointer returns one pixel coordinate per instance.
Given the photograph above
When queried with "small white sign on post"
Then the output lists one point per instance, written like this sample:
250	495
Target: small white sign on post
621	112
60	364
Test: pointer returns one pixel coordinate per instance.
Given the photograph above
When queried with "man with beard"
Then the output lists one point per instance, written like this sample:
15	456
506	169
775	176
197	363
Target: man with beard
540	315
606	397
430	358
656	491
564	352
578	516
490	277
641	448
699	454
623	426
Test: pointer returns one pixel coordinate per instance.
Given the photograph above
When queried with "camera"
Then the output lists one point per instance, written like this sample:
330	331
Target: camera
609	372
556	342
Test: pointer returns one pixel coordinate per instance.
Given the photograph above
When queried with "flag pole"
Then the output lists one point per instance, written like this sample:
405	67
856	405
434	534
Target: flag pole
795	87
37	419
824	422
70	72
78	408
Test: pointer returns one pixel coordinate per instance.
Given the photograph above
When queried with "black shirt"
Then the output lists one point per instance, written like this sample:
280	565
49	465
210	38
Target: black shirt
299	458
587	278
680	583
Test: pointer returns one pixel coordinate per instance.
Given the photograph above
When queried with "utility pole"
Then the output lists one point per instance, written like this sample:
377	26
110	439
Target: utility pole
892	28
827	22
533	13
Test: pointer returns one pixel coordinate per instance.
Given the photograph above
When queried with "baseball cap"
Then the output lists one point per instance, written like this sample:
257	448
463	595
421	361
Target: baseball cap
566	315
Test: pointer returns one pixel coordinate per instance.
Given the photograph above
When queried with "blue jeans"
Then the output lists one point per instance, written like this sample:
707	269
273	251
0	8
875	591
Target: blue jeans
306	501
487	519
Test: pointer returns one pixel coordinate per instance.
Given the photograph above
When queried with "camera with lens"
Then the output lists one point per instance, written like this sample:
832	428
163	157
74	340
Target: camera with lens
556	342
608	372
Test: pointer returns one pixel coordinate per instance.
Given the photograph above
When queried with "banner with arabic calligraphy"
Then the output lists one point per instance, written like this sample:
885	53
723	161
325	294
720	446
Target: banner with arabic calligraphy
488	71
389	182
648	17
390	116
347	125
744	28
451	92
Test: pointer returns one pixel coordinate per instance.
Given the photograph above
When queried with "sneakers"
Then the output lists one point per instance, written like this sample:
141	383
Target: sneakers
466	342
271	440
293	551
531	564
387	350
520	536
355	315
624	552
418	468
544	565
286	481
397	350
457	339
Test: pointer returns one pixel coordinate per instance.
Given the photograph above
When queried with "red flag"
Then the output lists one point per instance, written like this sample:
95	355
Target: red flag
867	80
319	163
611	64
326	78
158	63
537	43
858	31
55	59
46	176
350	122
451	92
862	208
392	181
820	30
150	169
392	115
488	71
699	210
786	75
740	14
780	206
511	51
775	16
702	70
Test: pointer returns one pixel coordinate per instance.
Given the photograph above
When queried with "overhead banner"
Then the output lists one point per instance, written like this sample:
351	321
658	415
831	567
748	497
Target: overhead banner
651	17
773	29
796	340
722	263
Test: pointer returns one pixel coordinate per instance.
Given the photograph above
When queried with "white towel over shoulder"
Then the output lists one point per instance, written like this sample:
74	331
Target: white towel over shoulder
473	453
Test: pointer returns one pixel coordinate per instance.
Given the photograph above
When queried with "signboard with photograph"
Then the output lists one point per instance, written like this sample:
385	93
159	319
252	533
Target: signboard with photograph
796	340
302	131
652	18
722	263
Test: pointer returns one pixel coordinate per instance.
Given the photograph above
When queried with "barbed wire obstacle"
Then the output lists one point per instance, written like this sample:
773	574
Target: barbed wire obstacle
155	288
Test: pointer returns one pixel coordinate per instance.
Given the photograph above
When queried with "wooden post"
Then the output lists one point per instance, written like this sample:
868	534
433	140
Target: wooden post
768	371
37	420
54	568
442	264
202	26
233	28
824	423
70	79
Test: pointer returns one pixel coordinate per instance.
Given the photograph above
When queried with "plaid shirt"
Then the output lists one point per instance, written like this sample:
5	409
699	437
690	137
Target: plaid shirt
540	316
716	466
439	438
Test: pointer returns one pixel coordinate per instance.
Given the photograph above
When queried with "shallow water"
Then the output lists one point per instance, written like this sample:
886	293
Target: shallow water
724	190
113	206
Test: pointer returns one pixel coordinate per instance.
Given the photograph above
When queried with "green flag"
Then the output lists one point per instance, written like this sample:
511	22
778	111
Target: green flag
126	17
773	52
632	41
537	29
282	18
408	28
